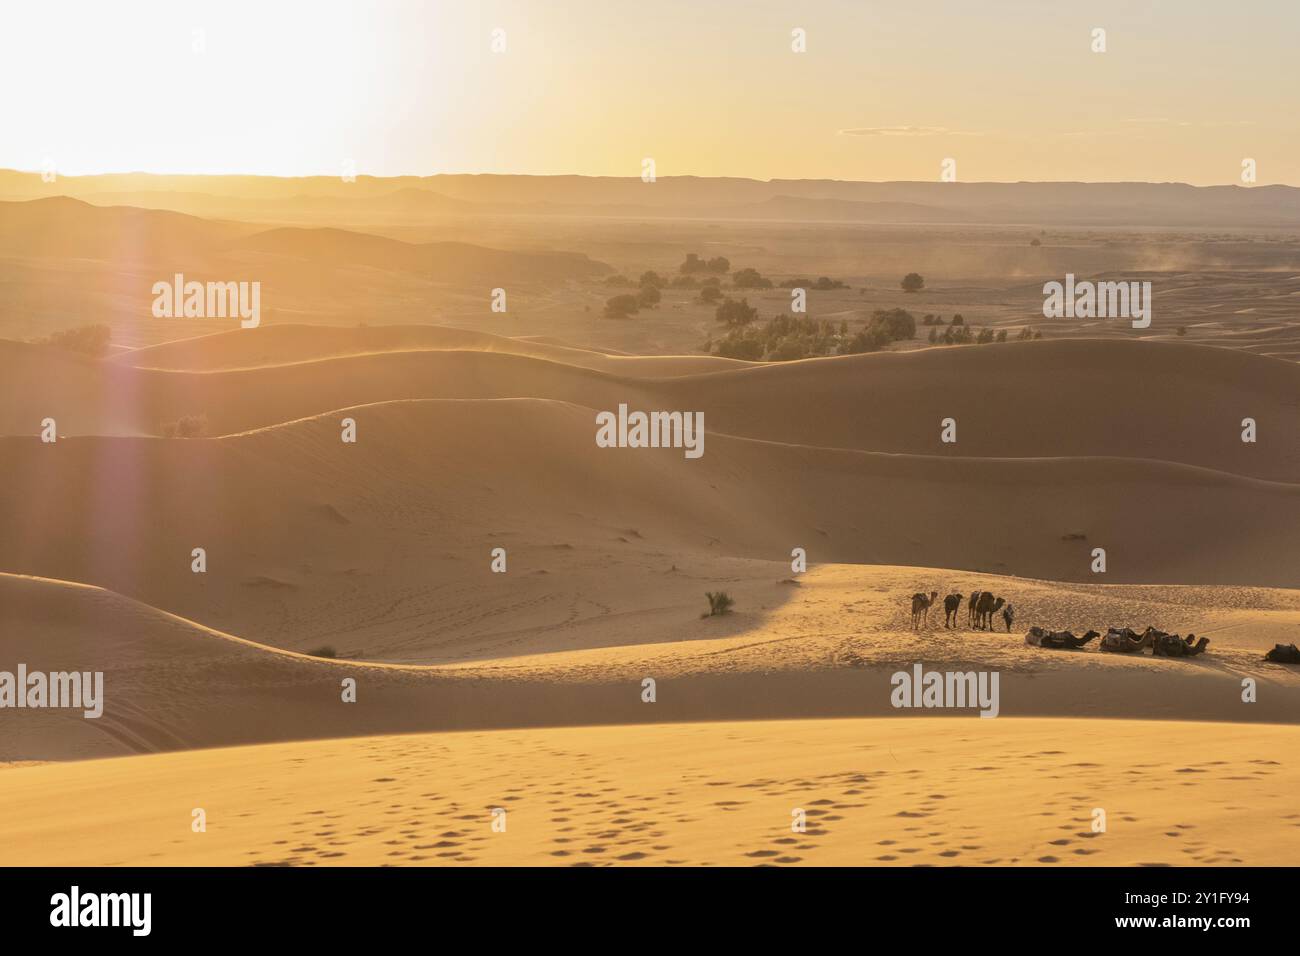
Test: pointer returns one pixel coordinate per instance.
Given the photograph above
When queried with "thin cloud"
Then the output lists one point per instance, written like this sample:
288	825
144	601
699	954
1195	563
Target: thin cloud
904	131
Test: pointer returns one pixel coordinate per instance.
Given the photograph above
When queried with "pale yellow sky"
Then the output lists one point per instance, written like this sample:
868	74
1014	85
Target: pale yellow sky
1010	89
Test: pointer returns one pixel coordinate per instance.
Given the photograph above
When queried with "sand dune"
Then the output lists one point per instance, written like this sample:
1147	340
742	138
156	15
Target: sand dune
897	792
387	542
1178	403
69	228
824	648
63	227
439	261
288	344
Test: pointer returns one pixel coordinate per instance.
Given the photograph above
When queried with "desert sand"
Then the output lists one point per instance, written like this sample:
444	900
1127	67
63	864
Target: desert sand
371	562
873	792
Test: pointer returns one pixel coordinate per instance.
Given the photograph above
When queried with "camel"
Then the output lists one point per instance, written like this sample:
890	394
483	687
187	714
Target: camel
1283	654
1057	640
1124	640
970	608
1008	616
951	607
921	608
988	606
1171	645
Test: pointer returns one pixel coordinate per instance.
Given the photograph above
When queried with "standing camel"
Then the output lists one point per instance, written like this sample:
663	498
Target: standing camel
921	608
951	607
984	611
970	610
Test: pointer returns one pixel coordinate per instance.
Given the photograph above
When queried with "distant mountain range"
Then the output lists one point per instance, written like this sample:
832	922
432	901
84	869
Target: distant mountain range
65	228
408	199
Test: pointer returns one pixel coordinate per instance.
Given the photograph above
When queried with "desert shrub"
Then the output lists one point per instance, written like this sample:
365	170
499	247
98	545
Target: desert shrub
871	339
648	297
720	602
985	336
734	312
912	282
897	323
324	651
652	278
822	284
746	345
958	320
718	265
685	282
710	294
783	338
85	339
786	337
187	426
1002	335
621	306
750	279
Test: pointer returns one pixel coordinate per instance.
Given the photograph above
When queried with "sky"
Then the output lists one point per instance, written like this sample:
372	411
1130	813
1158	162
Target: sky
1008	89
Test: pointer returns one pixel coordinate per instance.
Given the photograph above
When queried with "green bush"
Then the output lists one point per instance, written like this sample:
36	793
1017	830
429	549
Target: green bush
735	313
622	306
720	602
750	279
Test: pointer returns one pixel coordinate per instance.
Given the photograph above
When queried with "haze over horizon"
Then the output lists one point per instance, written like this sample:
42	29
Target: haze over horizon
882	94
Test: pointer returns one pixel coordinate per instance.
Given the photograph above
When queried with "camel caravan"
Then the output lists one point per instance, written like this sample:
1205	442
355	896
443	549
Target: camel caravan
980	608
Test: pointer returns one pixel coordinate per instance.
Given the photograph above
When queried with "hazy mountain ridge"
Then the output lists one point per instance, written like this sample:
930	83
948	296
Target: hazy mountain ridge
451	195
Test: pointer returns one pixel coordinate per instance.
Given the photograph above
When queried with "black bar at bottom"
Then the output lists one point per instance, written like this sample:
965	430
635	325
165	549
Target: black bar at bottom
554	905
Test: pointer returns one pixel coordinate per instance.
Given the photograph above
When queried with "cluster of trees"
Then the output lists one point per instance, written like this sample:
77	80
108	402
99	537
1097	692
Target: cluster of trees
89	340
786	337
689	277
938	320
780	339
964	335
648	296
693	264
733	312
822	284
750	279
